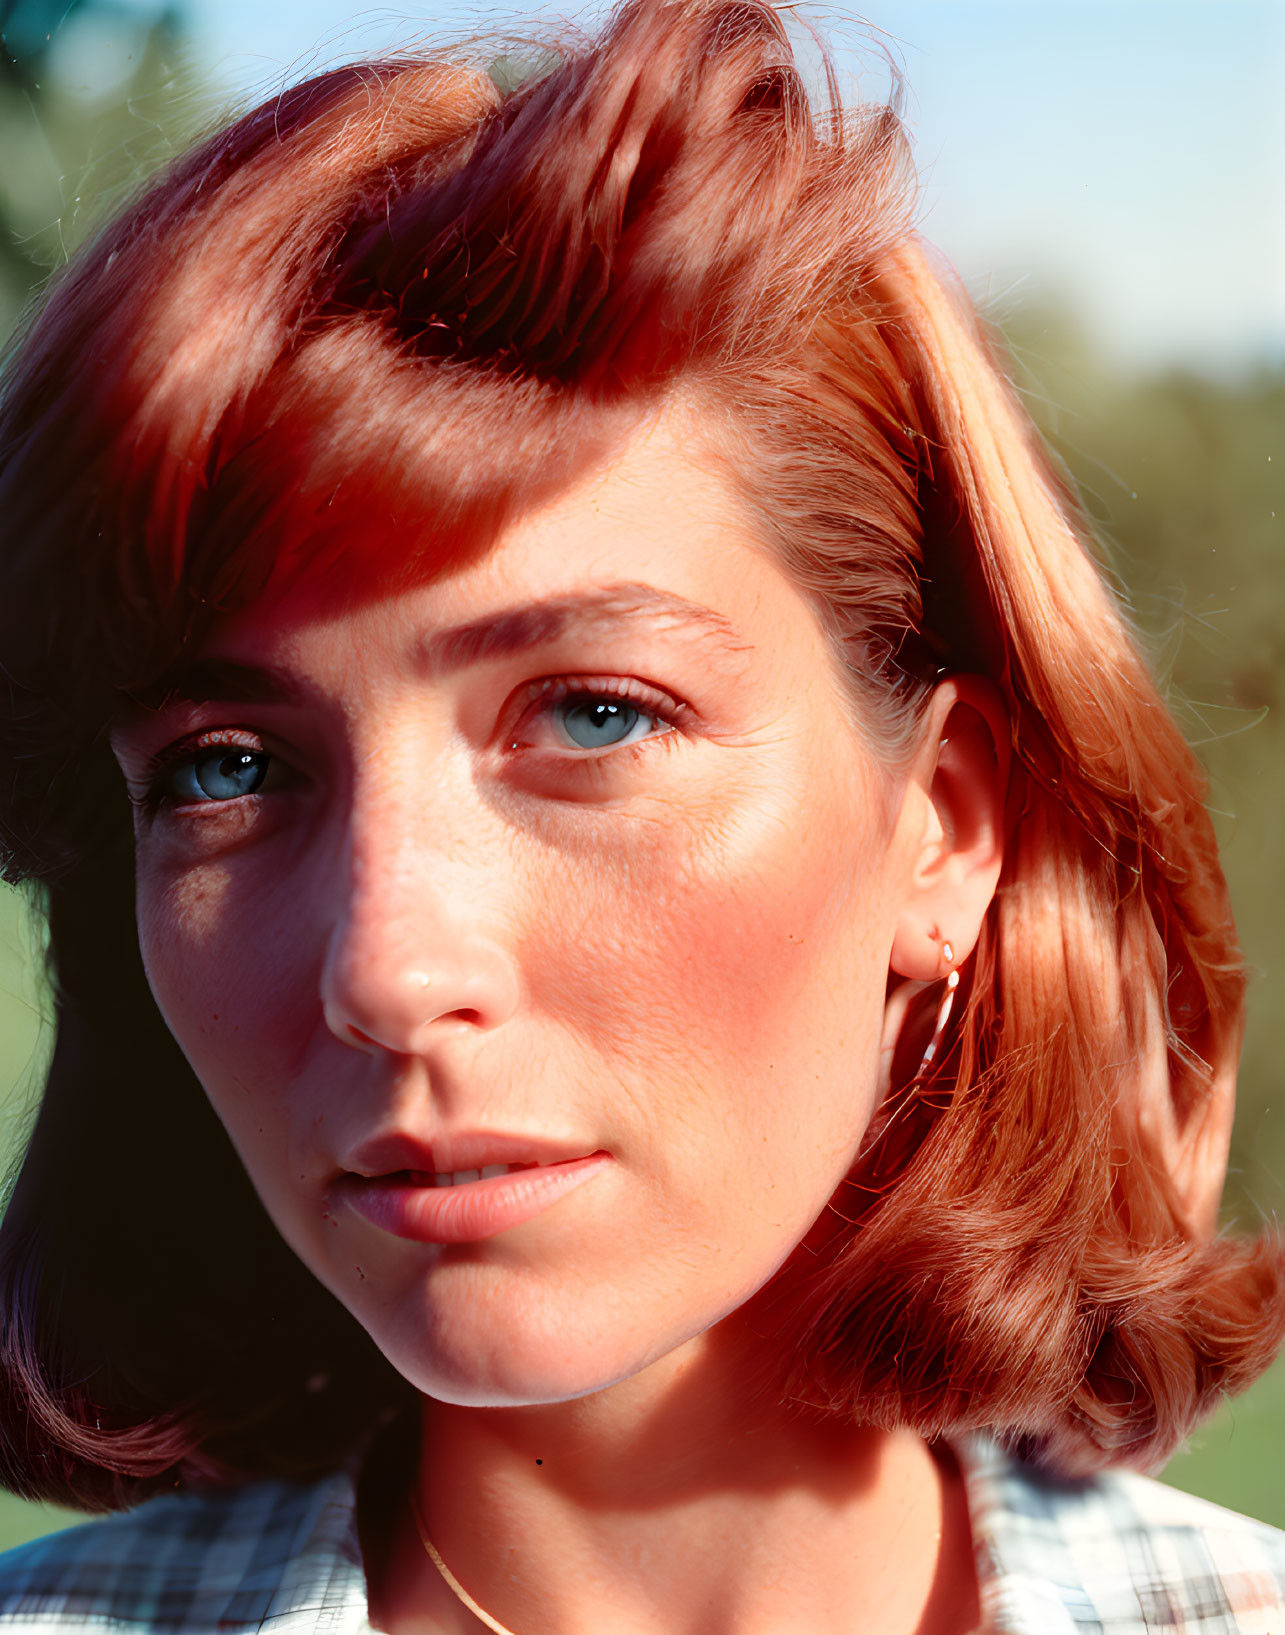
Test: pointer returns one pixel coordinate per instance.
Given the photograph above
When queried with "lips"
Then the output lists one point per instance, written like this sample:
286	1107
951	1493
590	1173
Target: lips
409	1203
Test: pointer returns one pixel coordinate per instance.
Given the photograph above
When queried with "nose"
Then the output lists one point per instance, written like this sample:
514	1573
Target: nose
409	952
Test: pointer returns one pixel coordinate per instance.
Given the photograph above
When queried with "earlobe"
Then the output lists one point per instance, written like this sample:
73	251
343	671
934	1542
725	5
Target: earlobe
955	804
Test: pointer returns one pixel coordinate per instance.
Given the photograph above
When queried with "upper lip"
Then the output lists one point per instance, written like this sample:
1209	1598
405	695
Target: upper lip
449	1153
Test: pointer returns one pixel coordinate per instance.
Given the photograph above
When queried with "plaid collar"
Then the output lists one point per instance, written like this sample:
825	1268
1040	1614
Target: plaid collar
1115	1555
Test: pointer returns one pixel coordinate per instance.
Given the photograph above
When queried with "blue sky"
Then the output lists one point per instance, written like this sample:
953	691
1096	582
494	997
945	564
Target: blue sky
1126	155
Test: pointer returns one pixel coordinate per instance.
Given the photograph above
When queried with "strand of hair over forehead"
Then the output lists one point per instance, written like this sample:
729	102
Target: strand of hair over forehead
667	200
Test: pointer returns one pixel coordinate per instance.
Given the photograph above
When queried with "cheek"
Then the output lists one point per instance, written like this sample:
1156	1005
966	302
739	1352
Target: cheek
738	950
222	958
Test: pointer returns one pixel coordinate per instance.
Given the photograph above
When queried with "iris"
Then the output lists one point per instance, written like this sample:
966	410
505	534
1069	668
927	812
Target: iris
595	723
218	774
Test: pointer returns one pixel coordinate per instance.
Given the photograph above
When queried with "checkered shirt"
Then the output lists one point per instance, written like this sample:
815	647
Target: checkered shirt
1115	1555
1118	1555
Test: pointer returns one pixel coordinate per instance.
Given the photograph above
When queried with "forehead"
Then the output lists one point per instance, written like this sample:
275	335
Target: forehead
653	544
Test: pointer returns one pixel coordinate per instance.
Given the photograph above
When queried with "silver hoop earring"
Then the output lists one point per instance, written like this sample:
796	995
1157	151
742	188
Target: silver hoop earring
943	1017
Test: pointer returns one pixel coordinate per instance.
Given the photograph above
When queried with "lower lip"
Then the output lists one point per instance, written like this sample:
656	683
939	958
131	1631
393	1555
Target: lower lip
472	1211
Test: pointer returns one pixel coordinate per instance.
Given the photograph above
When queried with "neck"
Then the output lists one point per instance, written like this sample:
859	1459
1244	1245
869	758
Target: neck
679	1501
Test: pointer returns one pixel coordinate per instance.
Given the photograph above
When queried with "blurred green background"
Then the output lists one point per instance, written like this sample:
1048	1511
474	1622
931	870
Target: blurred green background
1169	412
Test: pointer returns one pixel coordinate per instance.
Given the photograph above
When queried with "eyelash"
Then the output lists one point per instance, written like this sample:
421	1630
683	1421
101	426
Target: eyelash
639	695
546	693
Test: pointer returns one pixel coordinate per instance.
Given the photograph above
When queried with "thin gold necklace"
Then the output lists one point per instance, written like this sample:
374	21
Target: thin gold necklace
454	1583
448	1575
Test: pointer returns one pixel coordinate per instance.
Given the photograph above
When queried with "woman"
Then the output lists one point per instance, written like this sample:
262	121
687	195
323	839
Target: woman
653	850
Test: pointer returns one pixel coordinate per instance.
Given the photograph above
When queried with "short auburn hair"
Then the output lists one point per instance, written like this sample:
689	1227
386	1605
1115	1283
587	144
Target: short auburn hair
369	323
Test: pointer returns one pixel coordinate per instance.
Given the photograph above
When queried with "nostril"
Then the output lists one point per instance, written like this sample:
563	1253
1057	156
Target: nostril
375	1000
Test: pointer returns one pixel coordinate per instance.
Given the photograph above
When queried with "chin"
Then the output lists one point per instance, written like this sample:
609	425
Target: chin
485	1353
523	1369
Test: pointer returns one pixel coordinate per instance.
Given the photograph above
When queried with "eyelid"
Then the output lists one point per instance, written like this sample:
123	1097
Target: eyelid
644	696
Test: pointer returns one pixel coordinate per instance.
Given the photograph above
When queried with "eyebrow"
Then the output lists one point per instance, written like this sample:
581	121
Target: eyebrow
514	630
497	635
200	680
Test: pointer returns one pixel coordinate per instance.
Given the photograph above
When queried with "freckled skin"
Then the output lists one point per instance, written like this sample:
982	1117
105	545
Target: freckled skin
676	954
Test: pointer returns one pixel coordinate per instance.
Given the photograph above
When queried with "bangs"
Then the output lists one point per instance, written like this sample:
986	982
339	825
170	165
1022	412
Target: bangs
364	470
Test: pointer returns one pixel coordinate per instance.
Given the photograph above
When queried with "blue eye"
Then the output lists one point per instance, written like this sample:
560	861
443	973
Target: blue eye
217	775
591	722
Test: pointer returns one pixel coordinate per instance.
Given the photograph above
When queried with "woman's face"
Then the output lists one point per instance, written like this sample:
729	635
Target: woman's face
571	854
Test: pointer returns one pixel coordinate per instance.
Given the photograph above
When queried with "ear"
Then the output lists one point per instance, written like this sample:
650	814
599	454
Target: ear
952	820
